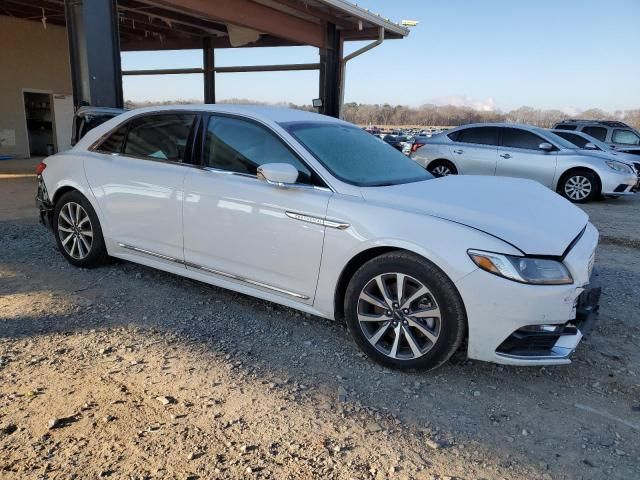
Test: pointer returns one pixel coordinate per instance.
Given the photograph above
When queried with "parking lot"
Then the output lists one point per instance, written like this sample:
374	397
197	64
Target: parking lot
128	372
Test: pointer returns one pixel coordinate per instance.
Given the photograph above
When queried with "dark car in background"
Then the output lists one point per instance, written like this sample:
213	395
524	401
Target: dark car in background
396	141
87	118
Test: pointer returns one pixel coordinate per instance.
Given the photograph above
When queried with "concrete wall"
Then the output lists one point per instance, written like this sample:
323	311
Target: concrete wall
31	57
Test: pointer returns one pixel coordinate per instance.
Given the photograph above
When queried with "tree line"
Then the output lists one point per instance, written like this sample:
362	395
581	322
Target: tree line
450	115
437	115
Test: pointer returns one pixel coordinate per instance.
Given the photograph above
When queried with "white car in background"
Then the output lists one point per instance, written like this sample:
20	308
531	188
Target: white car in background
316	214
524	151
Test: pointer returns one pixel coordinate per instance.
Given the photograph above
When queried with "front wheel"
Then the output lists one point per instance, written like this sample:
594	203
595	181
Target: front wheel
404	312
580	186
442	168
78	232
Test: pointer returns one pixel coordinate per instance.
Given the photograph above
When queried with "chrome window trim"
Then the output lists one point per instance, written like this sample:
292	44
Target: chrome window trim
148	159
213	271
301	186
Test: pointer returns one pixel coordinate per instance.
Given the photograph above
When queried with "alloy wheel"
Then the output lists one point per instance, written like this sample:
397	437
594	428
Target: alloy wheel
75	230
441	171
577	187
399	316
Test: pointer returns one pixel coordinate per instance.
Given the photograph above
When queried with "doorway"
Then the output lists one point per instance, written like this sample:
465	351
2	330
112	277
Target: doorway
40	129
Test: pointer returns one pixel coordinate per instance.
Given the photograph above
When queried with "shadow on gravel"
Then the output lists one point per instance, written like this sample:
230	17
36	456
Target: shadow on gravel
521	415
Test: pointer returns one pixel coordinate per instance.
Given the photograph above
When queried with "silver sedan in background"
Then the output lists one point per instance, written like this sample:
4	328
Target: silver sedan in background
525	151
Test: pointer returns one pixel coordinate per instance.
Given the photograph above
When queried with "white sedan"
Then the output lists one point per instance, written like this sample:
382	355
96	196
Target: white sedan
314	213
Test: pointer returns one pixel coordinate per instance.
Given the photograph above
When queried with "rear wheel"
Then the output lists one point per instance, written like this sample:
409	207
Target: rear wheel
442	168
580	186
404	312
78	232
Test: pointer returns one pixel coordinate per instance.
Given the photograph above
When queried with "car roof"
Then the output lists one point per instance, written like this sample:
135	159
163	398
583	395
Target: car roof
273	114
496	124
605	123
90	110
261	113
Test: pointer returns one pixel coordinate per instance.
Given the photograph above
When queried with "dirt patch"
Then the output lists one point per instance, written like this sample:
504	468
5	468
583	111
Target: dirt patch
127	372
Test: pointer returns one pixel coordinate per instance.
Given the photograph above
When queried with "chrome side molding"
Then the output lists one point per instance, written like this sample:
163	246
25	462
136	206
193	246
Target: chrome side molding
149	252
219	273
246	280
317	220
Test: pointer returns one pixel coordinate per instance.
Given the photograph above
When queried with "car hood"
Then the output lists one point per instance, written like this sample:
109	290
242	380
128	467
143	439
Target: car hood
601	155
521	212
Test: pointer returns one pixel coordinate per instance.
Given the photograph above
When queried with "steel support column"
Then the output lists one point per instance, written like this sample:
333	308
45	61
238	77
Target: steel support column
330	76
209	73
94	51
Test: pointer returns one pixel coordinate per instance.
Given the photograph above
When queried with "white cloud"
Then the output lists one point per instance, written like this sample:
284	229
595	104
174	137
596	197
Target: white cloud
485	105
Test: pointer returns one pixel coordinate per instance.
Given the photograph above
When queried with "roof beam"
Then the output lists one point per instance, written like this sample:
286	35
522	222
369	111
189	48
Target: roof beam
246	13
172	43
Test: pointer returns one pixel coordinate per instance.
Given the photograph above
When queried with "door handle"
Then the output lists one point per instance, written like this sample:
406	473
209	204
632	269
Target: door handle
505	155
459	152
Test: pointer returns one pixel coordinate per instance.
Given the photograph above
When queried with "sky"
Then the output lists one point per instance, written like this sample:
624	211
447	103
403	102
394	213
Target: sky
489	54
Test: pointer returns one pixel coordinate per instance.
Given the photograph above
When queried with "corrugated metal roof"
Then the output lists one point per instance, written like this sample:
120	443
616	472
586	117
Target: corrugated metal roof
363	14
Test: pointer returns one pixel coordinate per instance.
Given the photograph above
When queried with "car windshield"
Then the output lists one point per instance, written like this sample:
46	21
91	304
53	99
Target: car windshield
354	156
579	141
557	139
625	136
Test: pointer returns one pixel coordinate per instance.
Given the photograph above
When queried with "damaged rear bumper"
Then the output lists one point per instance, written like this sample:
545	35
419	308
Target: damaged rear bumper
44	204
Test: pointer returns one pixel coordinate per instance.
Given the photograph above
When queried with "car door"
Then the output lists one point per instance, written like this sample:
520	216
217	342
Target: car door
475	150
519	155
136	175
242	228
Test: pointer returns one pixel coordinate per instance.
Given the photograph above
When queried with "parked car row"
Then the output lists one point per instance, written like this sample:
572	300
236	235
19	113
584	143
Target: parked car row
508	150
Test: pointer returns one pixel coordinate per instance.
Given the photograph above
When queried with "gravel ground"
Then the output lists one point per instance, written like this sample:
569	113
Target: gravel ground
127	372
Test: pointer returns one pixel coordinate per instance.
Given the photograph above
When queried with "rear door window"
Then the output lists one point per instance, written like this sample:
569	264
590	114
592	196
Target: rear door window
596	132
479	135
161	137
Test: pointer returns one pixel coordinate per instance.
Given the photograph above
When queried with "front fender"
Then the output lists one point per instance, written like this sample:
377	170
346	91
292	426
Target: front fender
440	241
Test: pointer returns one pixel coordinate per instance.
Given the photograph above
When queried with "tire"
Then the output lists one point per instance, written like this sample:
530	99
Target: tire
580	186
442	168
435	321
78	232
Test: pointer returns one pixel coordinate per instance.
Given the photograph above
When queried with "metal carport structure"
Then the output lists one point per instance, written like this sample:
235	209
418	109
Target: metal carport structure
98	30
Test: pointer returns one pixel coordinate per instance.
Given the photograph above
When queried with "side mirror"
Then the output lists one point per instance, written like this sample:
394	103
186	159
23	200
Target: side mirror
546	146
590	146
278	174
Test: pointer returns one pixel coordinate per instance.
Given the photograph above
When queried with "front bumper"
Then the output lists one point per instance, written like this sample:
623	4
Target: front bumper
503	315
554	341
617	184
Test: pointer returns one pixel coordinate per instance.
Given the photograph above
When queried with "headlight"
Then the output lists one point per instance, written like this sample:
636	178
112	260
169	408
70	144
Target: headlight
619	166
539	271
